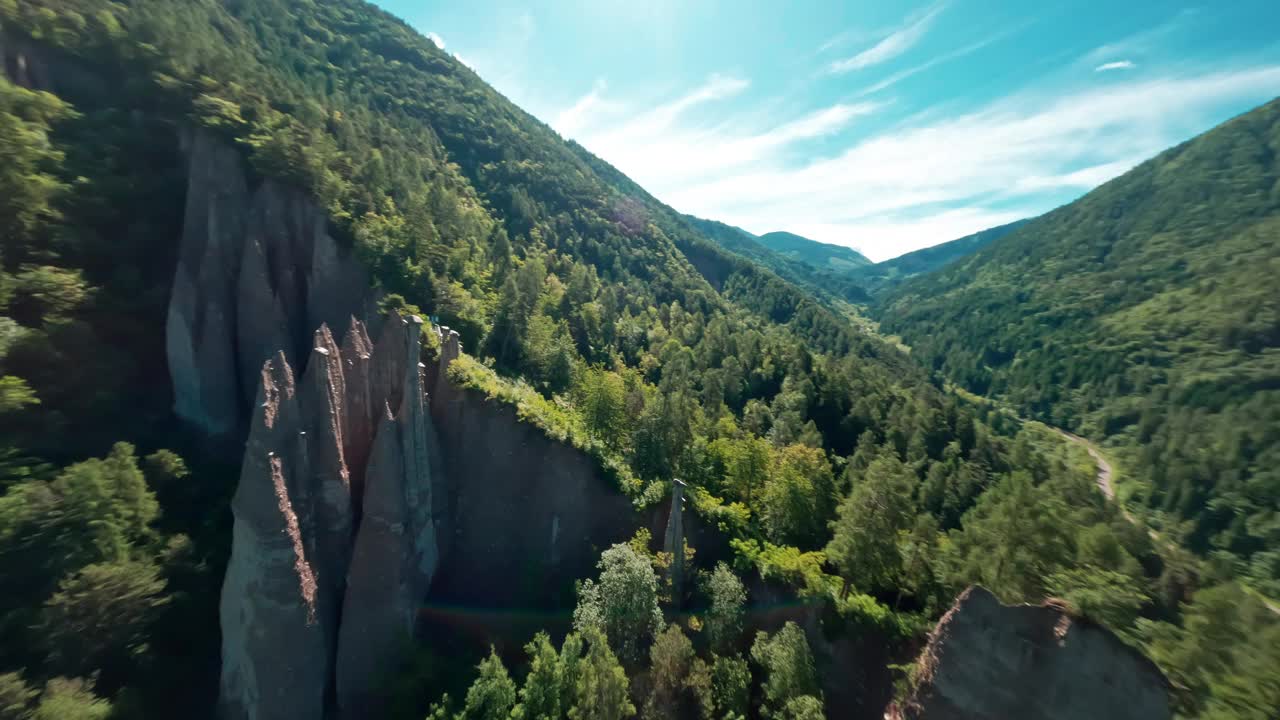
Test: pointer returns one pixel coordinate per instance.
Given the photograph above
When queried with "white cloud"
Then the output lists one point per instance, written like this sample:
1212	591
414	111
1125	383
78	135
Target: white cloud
1117	65
502	59
883	237
895	44
925	181
1082	179
439	41
671	145
572	119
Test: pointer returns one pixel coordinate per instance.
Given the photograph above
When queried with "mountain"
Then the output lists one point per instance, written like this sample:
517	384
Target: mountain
212	210
822	282
242	475
812	252
844	273
1147	314
881	277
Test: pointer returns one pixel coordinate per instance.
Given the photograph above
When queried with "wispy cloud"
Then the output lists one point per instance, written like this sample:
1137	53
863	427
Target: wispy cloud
956	54
439	41
571	120
502	59
682	143
923	181
890	47
1116	65
1143	44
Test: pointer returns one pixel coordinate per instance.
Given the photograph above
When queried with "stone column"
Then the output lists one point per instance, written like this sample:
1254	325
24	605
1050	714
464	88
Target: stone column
674	542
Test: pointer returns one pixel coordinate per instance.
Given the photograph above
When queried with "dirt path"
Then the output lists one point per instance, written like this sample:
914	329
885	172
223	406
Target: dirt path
1108	489
1104	471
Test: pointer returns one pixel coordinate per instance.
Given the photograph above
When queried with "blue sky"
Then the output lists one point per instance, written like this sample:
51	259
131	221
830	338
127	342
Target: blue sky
885	127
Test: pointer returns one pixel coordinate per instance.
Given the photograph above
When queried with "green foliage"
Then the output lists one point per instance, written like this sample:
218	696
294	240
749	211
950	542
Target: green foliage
622	606
163	467
1145	313
799	497
864	542
1015	537
1111	598
603	402
72	699
805	707
99	616
789	669
15	394
493	694
599	315
543	693
560	422
789	566
16	698
818	279
677	678
723	618
730	686
601	687
1221	659
881	278
812	252
29	187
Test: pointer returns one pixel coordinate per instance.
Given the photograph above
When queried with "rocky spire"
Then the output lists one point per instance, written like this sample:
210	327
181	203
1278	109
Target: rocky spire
360	417
322	398
273	643
396	553
295	604
674	541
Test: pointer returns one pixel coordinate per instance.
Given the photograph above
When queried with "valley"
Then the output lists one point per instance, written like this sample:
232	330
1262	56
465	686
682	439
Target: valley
335	385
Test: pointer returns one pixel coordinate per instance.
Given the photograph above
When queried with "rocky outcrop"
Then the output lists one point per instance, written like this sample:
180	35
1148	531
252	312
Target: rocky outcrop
257	272
274	649
986	660
395	552
325	572
526	515
673	540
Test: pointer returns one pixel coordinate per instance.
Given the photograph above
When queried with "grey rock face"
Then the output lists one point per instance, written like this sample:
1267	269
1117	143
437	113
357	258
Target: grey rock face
201	324
395	551
673	541
273	641
309	600
520	516
257	272
987	660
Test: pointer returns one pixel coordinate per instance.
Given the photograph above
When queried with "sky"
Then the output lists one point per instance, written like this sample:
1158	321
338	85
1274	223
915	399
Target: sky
881	126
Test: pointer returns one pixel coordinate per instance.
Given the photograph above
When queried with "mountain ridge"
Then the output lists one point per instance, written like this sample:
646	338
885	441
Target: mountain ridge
1146	313
813	252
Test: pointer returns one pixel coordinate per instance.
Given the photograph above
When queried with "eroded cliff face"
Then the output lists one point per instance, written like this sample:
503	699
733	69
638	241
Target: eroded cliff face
328	565
257	272
526	515
986	660
350	505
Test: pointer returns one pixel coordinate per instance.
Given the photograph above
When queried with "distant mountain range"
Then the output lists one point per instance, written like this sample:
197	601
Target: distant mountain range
882	276
812	252
835	270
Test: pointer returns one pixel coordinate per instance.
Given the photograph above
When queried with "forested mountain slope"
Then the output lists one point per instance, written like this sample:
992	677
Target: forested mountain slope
1147	312
880	278
820	281
829	474
812	252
